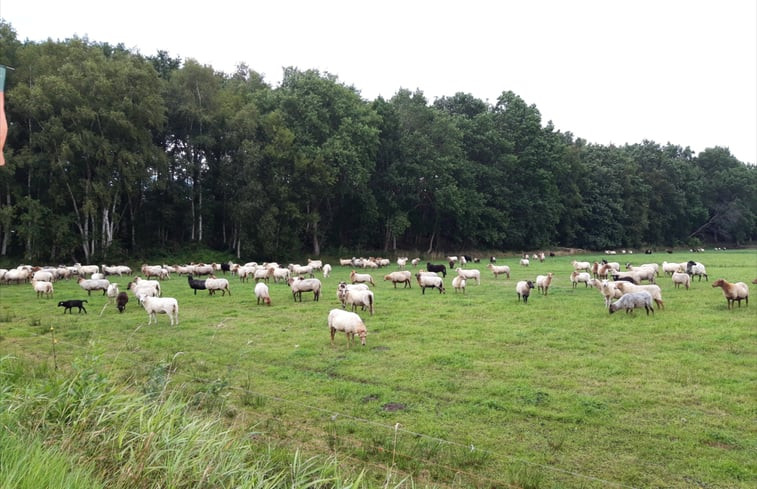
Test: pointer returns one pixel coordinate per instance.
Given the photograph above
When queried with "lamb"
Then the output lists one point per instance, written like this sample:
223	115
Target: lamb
195	284
121	299
160	305
543	282
70	304
733	291
326	270
261	292
523	288
632	301
214	284
361	278
400	277
43	288
355	297
577	277
499	269
696	268
608	290
89	285
112	292
300	285
426	280
349	322
470	274
681	278
458	283
654	290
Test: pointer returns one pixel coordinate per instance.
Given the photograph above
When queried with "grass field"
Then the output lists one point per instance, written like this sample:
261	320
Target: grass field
453	390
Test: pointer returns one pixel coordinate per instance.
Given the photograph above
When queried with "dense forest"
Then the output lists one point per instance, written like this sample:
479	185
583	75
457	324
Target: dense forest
112	154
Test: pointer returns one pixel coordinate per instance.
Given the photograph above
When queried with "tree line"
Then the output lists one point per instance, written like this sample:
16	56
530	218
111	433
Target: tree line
113	154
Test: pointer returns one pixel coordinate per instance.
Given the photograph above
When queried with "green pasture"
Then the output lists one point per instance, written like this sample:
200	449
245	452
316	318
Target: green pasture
451	390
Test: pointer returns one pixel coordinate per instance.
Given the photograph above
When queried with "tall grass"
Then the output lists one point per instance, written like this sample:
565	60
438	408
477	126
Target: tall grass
474	390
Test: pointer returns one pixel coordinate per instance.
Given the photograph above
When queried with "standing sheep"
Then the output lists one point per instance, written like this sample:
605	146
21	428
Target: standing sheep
499	269
426	280
577	277
214	284
458	283
543	282
121	299
45	288
523	288
634	300
300	285
261	292
733	292
350	323
681	278
400	277
160	305
361	278
470	274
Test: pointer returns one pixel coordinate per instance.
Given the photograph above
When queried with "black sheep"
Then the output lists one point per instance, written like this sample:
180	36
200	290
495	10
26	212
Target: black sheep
69	304
436	268
121	299
196	284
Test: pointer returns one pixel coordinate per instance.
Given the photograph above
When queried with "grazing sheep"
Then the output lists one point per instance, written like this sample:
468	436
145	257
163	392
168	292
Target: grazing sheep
400	277
608	290
499	269
261	292
733	292
681	278
654	290
214	284
70	304
84	270
581	265
644	272
402	262
262	273
524	262
43	288
633	300
315	264
143	287
470	274
426	280
696	268
631	277
119	270
345	262
89	285
121	299
350	323
437	269
356	297
343	287
458	283
160	305
671	268
523	288
300	270
543	282
281	274
43	276
361	278
577	277
300	285
326	270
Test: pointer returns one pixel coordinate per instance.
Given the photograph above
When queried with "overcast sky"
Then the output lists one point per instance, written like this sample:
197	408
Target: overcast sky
609	71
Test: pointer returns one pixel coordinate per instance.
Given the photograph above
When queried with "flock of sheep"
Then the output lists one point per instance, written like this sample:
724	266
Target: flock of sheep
621	289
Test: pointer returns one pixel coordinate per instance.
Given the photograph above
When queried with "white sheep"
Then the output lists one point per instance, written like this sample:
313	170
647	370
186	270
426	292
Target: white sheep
671	268
315	264
499	269
402	262
141	282
43	276
654	290
362	298
470	274
349	322
300	285
143	288
361	278
112	292
608	290
43	288
119	270
281	274
160	305
154	271
345	262
523	288
301	270
83	270
214	284
89	285
524	262
343	287
458	283
415	261
543	282
681	278
326	270
633	300
400	277
261	292
578	277
581	265
426	280
262	274
644	272
696	268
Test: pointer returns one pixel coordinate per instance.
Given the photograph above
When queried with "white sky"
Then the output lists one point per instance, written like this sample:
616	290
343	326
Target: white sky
609	71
